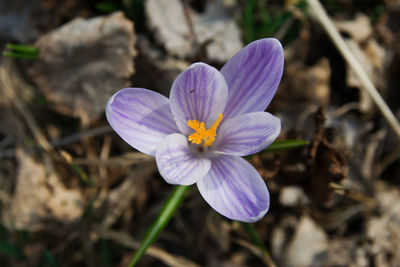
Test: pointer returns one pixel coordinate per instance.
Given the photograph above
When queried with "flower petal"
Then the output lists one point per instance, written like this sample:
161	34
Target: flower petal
235	189
177	164
199	93
247	133
141	117
253	75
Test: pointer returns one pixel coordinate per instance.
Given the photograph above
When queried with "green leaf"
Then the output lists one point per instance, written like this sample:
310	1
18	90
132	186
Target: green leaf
134	9
49	259
255	239
285	145
248	21
106	7
163	218
3	230
83	176
105	253
88	209
19	55
27	49
12	250
21	51
379	10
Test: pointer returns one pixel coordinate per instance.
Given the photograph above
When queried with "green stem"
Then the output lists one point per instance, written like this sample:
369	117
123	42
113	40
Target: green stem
256	240
285	145
163	218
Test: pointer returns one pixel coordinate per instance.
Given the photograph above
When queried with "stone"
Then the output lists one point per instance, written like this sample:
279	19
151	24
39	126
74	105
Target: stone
308	242
292	196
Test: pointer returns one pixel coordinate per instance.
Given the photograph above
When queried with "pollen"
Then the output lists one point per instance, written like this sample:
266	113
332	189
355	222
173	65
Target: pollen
202	135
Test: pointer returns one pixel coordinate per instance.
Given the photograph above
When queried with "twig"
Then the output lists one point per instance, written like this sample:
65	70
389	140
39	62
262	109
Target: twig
78	136
11	83
124	239
387	161
354	64
9	153
129	158
103	188
262	251
264	256
199	48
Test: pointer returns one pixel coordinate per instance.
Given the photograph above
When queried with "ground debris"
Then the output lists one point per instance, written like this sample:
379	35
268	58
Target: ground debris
309	84
87	198
39	198
291	196
308	242
326	164
82	63
184	32
155	69
383	230
359	28
25	24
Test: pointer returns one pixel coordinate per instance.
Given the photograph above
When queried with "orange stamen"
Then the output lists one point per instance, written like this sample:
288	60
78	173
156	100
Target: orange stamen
201	134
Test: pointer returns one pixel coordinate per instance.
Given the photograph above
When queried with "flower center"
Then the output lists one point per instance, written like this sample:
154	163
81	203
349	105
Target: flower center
201	134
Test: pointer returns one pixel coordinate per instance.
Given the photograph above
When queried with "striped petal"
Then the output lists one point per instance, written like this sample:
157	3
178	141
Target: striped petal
199	93
253	75
141	117
247	133
235	189
177	164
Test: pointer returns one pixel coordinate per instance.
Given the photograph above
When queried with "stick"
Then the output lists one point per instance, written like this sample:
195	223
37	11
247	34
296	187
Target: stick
354	64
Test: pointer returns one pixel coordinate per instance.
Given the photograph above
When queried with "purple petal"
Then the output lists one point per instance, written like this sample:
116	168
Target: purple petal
235	189
247	133
253	75
141	117
177	164
199	93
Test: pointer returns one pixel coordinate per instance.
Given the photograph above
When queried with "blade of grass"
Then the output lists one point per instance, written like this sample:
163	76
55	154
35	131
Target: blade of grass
88	209
19	55
21	51
12	251
163	218
106	7
352	61
105	253
49	259
248	22
256	240
28	49
285	145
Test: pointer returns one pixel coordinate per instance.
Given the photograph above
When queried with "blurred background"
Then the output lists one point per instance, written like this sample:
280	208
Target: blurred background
72	193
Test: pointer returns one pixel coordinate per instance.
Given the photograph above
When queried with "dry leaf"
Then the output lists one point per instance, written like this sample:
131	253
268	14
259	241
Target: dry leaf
84	62
212	29
40	197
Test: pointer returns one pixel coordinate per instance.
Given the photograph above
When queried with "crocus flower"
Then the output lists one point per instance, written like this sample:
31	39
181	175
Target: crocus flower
210	120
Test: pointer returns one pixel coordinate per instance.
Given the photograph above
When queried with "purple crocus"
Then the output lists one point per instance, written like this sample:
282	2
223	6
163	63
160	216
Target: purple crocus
210	120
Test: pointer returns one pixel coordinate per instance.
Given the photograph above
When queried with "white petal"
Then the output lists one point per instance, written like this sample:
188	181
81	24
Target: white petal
177	164
247	133
199	93
235	189
141	117
253	75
